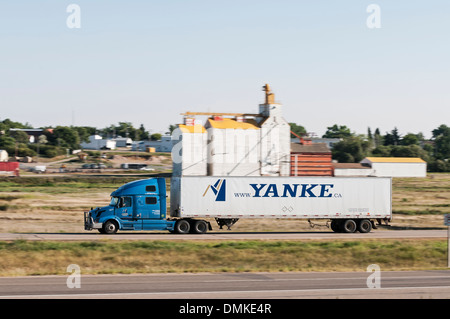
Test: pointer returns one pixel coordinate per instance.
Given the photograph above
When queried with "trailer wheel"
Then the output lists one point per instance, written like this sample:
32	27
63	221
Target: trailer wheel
182	226
364	226
336	226
110	227
349	226
199	227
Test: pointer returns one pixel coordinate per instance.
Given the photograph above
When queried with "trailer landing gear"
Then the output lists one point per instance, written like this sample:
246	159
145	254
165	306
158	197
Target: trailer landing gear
226	222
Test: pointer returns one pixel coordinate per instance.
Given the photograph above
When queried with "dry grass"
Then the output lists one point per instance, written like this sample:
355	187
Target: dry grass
52	258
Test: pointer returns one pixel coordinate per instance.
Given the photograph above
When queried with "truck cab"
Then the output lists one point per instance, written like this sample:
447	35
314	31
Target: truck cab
138	205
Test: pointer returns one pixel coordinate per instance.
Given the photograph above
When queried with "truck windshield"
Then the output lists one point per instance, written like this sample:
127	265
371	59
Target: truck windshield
114	201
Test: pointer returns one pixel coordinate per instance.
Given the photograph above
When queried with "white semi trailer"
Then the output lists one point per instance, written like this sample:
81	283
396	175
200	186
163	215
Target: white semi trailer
350	204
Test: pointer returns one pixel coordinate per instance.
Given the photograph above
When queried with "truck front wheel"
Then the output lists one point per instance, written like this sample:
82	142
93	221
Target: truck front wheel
110	227
182	226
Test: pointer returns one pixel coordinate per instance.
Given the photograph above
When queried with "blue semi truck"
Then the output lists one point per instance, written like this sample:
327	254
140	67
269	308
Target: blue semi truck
350	204
140	205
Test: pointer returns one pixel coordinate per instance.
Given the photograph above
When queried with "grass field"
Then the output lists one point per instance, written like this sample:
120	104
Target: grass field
20	258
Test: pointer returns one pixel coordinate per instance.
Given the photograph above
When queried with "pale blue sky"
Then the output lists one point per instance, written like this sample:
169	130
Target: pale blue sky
148	61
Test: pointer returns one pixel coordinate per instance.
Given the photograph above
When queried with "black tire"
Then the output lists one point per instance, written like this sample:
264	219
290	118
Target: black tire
110	227
199	227
364	226
182	226
336	225
349	226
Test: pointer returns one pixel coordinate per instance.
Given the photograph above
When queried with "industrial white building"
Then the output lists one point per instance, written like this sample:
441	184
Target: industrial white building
275	139
232	148
96	142
243	145
165	144
3	156
396	166
189	150
123	141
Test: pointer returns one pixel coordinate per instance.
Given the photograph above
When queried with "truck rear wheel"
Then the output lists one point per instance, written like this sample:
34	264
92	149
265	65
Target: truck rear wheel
182	226
364	226
348	226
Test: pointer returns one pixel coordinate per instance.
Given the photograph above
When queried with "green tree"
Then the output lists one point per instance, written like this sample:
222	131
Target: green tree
19	136
124	129
382	151
297	129
172	127
6	124
409	151
351	149
441	137
370	138
8	144
369	134
24	150
377	138
63	136
392	138
84	132
155	137
410	139
439	166
337	131
141	133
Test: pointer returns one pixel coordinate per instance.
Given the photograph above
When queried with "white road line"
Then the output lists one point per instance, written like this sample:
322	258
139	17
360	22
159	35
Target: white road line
268	280
363	277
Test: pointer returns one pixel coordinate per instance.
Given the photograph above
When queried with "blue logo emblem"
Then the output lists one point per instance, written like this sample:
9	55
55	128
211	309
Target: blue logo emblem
218	189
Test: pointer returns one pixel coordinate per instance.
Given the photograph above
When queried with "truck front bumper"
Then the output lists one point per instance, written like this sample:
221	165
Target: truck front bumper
89	223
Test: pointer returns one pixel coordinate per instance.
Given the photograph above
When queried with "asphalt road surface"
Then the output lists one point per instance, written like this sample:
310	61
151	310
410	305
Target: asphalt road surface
225	235
343	285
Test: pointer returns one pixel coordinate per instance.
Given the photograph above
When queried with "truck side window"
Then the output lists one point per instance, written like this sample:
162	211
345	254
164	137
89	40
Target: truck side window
151	200
126	202
150	188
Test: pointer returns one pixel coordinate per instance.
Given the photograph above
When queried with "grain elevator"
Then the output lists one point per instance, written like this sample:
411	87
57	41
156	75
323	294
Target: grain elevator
233	144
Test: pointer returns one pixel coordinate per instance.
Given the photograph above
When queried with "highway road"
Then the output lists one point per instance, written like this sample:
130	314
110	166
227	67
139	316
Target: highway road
225	235
308	285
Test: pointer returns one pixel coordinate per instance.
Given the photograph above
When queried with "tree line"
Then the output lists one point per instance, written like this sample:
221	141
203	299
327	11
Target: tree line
57	140
352	147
